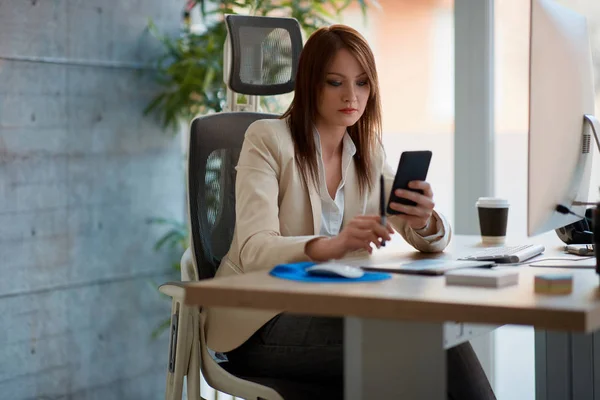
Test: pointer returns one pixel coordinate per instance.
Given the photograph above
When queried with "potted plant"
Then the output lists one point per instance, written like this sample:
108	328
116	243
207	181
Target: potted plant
190	72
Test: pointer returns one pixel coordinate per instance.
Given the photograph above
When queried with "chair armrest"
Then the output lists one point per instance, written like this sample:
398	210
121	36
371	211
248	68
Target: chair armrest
175	290
188	268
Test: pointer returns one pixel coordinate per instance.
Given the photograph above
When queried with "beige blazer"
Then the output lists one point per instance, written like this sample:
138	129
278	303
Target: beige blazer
276	216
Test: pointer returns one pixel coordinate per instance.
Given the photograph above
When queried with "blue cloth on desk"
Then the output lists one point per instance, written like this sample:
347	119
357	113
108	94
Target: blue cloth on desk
297	272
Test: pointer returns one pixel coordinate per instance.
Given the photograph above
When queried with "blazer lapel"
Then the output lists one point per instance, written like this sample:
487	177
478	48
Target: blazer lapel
315	205
353	201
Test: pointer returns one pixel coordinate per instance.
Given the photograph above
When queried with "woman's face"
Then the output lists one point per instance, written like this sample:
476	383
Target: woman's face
344	93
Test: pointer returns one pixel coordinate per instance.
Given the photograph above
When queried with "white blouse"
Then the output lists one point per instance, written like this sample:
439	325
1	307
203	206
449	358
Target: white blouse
332	210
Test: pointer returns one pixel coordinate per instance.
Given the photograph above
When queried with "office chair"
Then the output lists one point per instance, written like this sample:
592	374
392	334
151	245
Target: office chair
261	57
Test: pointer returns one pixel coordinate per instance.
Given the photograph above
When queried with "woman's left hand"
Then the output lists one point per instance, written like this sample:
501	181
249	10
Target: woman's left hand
419	215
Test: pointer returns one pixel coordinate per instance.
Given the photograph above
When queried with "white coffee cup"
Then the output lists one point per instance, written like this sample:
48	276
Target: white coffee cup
493	219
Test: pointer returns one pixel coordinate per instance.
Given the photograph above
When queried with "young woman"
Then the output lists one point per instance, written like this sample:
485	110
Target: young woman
307	188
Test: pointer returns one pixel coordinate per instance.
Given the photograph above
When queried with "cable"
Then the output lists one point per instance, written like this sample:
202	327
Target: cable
531	262
585	203
580	258
565	210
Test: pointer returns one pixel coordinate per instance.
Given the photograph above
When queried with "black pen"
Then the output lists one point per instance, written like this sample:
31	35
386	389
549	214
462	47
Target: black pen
382	205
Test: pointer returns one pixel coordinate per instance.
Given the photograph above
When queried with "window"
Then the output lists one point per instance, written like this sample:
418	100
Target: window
413	43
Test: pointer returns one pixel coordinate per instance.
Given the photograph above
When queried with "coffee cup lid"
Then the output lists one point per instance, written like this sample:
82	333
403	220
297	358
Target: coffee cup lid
492	202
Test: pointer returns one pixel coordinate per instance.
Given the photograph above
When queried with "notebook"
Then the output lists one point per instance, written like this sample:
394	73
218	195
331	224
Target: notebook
425	267
483	277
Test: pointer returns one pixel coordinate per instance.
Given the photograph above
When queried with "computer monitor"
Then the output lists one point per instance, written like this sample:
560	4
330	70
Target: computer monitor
561	93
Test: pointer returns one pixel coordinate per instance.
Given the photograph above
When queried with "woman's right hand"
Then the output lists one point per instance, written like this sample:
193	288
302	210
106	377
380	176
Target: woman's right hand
361	231
358	234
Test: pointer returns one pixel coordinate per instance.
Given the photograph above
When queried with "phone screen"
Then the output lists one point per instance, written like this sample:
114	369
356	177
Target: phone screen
413	166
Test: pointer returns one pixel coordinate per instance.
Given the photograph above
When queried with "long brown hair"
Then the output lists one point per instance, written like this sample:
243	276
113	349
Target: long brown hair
316	56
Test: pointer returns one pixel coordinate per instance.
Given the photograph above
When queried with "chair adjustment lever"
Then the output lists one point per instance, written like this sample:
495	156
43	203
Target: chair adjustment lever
173	341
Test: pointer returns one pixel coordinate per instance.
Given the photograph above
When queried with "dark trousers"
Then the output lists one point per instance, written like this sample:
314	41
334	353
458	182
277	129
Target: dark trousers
308	351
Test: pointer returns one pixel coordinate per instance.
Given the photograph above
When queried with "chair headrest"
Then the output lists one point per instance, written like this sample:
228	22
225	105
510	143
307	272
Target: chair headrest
261	57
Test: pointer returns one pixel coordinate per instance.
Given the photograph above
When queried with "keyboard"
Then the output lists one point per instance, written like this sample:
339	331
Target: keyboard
507	254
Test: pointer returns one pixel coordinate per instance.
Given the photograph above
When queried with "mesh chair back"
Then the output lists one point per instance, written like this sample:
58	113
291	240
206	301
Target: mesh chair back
215	144
264	58
264	54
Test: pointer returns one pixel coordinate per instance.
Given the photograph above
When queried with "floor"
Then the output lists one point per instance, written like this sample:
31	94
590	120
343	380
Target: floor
514	373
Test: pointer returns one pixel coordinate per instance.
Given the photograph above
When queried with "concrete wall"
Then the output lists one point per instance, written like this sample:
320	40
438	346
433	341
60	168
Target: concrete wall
80	171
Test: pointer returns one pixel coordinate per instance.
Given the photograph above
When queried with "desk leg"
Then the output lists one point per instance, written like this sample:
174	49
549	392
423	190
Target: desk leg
565	366
386	359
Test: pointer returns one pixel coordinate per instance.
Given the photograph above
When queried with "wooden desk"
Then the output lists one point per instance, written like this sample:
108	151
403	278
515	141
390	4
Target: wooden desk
395	329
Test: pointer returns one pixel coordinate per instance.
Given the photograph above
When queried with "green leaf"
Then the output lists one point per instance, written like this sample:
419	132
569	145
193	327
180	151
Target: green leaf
153	285
208	79
258	5
154	103
202	8
163	326
322	11
161	220
172	235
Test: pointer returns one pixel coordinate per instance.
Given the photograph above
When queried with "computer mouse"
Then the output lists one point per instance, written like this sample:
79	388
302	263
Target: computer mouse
335	270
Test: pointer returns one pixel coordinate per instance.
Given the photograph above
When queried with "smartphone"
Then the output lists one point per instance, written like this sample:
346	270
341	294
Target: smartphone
413	166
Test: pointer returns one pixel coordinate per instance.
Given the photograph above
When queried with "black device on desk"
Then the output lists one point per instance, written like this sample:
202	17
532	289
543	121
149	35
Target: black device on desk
592	215
413	166
578	232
